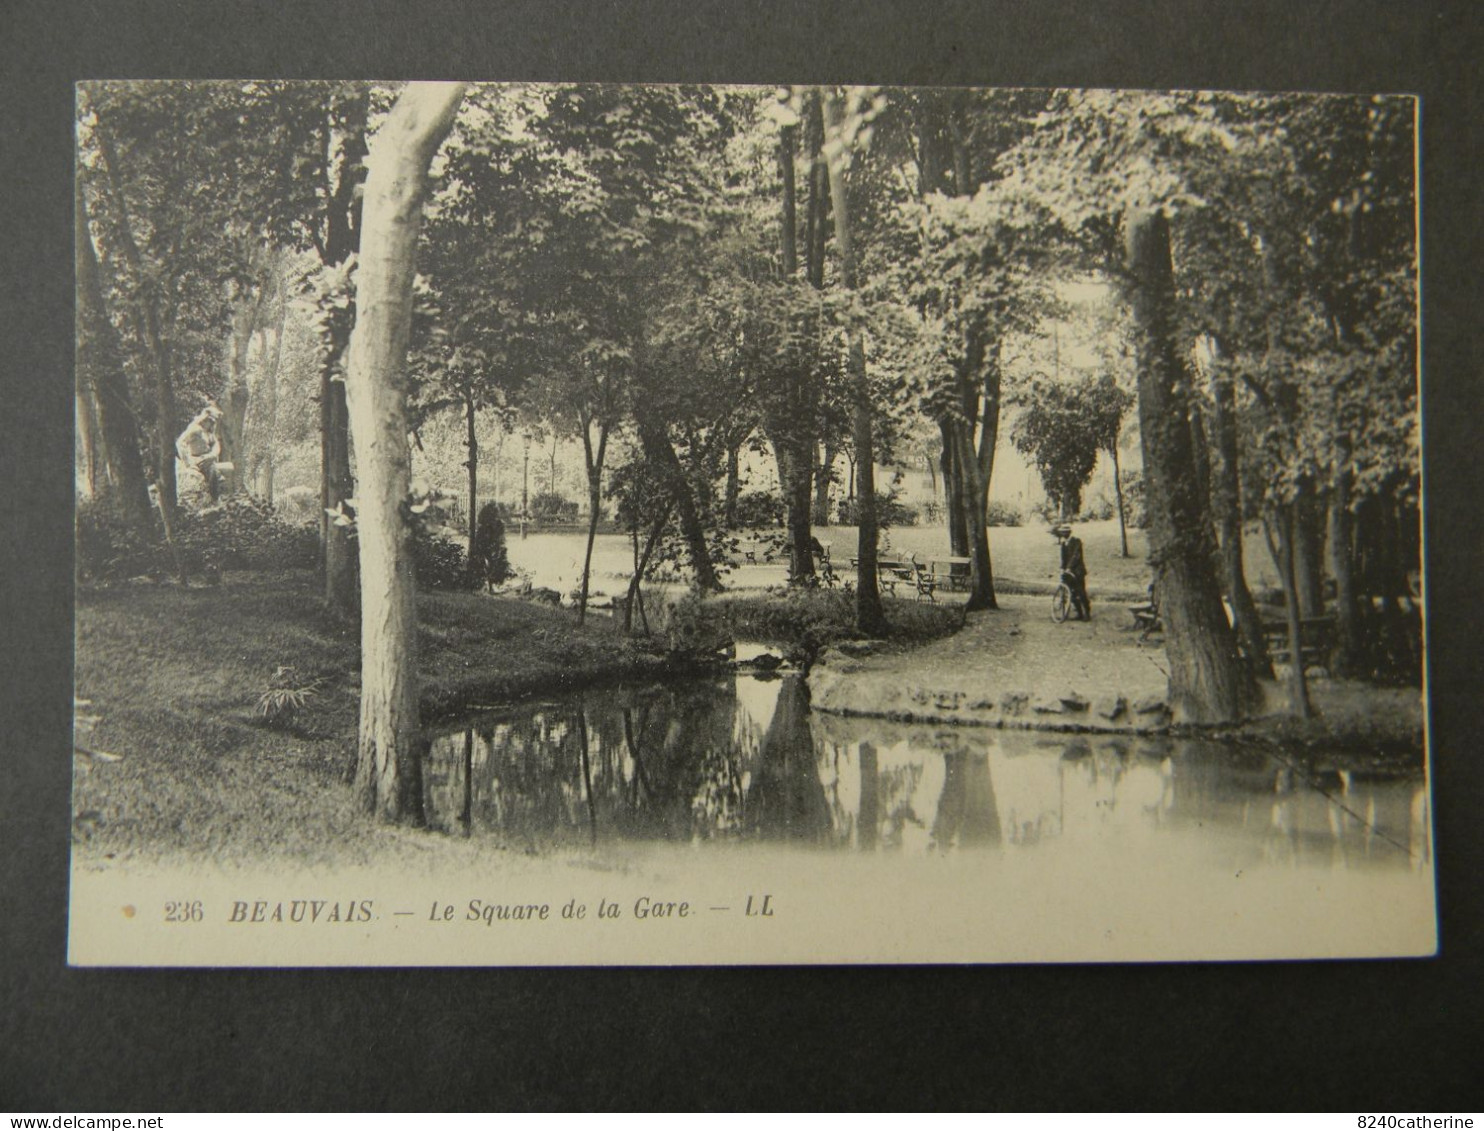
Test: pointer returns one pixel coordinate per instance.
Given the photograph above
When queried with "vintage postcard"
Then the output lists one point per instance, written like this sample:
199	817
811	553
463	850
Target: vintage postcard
581	524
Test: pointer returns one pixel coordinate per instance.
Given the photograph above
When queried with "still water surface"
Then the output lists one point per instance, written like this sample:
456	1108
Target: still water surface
740	760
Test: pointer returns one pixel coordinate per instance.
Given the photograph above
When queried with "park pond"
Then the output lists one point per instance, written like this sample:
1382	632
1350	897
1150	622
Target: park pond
740	760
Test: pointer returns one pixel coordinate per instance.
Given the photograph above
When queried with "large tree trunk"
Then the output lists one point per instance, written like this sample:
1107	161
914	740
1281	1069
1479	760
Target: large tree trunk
341	239
954	505
100	374
1208	681
870	617
156	350
1227	498
388	780
981	574
980	465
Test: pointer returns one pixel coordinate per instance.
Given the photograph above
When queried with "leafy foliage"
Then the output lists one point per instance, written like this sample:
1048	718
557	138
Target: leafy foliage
439	562
759	509
1062	426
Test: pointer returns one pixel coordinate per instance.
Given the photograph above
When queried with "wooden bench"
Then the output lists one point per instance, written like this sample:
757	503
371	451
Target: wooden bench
757	551
951	573
1317	636
1146	619
893	572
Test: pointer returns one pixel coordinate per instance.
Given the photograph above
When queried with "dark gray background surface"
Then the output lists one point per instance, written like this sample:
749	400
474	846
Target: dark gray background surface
1377	1037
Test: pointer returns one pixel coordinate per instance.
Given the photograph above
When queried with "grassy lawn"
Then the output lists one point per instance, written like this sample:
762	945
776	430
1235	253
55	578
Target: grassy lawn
174	677
1025	558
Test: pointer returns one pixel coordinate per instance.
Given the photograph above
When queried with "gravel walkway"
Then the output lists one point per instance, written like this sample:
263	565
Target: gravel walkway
1013	668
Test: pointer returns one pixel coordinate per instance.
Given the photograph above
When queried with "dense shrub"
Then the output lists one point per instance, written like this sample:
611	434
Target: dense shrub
439	562
890	511
1045	510
240	533
1135	512
488	559
109	547
244	533
1098	510
1003	514
759	509
551	507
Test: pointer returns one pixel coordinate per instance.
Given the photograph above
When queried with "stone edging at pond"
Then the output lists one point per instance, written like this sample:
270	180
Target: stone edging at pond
841	684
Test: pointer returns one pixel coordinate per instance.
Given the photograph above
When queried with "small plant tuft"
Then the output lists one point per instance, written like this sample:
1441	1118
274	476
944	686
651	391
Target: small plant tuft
287	693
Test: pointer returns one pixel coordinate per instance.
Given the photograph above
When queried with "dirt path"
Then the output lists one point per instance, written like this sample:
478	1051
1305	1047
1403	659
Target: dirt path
1015	668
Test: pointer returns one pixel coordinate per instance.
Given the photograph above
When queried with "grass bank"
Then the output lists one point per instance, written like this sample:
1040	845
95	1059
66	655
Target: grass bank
806	621
172	679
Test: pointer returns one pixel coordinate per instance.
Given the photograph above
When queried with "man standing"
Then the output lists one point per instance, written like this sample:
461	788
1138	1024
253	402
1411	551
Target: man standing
1074	570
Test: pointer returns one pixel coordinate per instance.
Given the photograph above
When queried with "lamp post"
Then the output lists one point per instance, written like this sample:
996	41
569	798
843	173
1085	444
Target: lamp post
525	488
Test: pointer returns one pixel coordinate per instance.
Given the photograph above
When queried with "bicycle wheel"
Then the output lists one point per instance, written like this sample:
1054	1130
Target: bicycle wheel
1061	603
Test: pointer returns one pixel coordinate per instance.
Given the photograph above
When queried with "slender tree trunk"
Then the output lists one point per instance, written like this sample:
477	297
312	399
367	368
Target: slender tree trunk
1346	659
734	485
1227	499
797	495
870	617
594	464
1308	551
471	445
1118	493
268	404
388	777
641	564
233	425
794	432
100	374
661	454
87	441
1281	520
1208	681
821	515
339	487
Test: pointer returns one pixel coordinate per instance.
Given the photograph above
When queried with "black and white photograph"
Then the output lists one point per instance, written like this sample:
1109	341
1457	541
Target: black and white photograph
539	523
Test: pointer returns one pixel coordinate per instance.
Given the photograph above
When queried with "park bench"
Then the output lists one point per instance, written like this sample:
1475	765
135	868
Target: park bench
891	572
1146	617
757	551
1317	635
824	568
950	573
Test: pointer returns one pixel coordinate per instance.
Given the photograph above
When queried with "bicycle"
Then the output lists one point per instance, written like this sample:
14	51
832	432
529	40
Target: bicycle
1061	600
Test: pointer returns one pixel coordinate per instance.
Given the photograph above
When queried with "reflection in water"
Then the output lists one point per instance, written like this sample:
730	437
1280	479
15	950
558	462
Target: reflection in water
742	759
